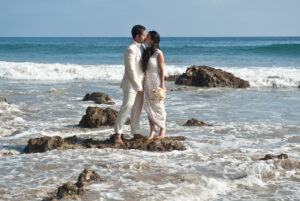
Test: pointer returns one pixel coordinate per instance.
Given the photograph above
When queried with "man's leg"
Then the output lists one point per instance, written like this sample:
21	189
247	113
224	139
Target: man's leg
136	114
128	101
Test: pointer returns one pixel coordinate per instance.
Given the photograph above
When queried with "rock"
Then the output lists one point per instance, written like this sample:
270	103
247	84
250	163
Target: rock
271	156
49	143
99	97
87	177
46	143
69	190
171	77
195	122
205	76
96	117
3	100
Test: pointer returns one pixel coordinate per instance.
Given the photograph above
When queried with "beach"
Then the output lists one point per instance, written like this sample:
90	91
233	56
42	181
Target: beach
45	79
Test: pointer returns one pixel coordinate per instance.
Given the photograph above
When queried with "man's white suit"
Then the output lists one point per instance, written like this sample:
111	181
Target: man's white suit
131	84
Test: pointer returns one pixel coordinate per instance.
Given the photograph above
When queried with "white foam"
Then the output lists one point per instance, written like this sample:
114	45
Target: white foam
60	72
274	77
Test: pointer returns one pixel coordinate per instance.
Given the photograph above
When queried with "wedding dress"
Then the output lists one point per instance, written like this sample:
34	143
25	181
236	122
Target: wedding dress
155	109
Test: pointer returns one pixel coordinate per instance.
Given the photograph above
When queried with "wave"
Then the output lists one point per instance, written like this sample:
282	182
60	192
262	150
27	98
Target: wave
268	49
258	77
267	77
62	72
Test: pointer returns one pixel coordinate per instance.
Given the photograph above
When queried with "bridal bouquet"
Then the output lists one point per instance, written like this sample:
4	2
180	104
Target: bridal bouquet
158	94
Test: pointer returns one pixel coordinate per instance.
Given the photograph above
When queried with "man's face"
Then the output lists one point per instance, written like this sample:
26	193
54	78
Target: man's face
141	38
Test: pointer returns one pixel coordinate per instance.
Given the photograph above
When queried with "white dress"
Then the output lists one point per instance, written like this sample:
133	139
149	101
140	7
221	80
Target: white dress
155	109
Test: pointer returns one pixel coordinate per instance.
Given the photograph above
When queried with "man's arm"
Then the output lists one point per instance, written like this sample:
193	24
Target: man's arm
129	60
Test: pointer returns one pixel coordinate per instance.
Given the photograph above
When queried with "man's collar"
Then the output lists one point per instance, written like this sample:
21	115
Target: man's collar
136	43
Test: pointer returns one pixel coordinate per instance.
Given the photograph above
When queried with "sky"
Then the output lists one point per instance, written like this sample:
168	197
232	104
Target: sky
173	18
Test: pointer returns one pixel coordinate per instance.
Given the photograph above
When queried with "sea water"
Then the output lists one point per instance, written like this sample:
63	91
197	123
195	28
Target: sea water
45	79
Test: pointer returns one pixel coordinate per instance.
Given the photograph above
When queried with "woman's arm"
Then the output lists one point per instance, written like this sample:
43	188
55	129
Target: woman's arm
161	65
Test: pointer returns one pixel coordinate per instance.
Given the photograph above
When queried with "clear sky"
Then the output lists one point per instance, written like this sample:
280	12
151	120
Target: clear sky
94	18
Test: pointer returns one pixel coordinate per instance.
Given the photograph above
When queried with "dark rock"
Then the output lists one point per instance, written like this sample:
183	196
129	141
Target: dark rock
195	122
49	143
69	190
96	117
46	143
99	97
204	76
171	77
271	156
87	177
3	100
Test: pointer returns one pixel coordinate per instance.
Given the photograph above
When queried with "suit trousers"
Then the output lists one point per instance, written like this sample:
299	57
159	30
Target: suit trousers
132	102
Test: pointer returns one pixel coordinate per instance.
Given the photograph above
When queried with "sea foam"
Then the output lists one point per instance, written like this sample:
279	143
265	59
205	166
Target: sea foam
258	77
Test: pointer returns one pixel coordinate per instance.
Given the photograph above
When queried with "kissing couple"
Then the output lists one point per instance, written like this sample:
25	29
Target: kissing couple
143	85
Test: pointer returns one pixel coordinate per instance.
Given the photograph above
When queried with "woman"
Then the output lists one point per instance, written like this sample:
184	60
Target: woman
153	66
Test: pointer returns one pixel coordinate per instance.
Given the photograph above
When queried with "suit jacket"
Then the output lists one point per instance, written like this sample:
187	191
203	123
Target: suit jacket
133	76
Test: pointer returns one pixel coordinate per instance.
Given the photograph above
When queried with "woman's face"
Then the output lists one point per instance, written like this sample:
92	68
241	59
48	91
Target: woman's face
148	40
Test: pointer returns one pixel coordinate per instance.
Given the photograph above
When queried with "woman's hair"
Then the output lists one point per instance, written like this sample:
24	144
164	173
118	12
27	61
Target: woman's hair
150	50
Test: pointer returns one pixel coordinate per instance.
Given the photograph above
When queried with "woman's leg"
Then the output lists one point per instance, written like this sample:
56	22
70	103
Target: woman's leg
152	128
162	133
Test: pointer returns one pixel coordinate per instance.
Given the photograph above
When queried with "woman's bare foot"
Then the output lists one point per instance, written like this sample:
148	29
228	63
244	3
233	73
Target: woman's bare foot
118	139
161	133
152	133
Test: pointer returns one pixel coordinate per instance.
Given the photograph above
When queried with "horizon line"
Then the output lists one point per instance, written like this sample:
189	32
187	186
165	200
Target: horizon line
131	37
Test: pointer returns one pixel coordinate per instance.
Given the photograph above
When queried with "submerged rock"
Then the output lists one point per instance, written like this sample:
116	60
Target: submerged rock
96	117
271	156
87	177
195	122
3	100
99	97
205	76
69	190
44	144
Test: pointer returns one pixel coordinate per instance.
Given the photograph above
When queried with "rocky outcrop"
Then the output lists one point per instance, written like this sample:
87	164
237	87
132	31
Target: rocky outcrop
46	143
99	97
171	77
96	117
71	190
271	156
195	122
3	100
204	76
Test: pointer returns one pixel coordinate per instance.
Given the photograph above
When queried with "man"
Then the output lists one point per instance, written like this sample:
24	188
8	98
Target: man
132	84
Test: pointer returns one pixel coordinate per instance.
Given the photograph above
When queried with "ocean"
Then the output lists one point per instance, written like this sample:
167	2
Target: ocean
45	79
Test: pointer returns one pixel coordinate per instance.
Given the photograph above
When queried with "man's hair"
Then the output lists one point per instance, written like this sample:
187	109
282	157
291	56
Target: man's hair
137	30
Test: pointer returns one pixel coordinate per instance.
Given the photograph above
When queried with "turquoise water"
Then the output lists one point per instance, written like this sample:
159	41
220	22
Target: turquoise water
228	51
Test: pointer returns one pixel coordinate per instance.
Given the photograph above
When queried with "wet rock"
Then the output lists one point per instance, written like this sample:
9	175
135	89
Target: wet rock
99	97
171	77
46	143
3	100
195	122
87	177
69	190
205	76
96	117
271	156
49	143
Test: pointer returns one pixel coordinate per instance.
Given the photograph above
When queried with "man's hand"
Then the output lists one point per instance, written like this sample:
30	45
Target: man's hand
141	91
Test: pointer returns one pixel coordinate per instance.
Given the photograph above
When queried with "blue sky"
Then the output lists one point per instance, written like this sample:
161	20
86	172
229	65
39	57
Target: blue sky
169	17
